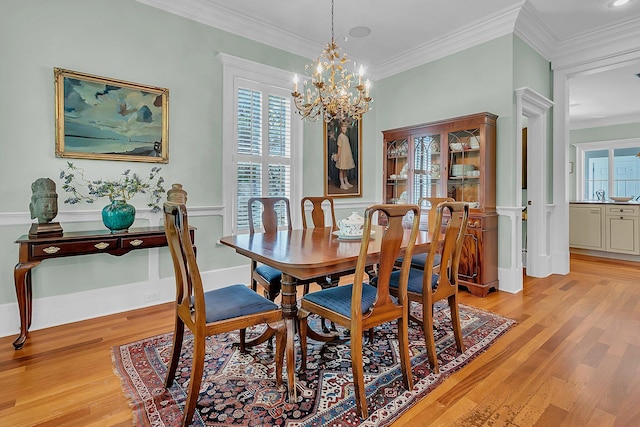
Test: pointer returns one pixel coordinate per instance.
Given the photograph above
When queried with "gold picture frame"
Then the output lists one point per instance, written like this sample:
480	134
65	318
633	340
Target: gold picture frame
334	184
107	119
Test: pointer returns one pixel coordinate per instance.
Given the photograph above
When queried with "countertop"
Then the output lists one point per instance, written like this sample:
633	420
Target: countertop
604	202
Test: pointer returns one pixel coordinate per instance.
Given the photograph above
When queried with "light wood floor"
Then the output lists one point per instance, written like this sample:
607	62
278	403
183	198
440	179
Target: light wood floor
573	359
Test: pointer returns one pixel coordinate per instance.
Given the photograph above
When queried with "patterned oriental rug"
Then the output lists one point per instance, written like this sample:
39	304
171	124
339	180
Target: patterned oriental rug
239	389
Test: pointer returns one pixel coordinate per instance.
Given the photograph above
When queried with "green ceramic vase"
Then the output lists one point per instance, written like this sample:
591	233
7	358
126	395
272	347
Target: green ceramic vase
118	216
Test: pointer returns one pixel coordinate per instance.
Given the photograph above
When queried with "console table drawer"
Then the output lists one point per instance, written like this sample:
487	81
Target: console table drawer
54	249
144	241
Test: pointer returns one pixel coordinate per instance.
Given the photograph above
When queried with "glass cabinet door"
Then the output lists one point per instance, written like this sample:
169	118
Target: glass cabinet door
463	181
397	171
426	167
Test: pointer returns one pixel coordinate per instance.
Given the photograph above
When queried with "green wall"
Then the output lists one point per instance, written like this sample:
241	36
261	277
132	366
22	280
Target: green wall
126	40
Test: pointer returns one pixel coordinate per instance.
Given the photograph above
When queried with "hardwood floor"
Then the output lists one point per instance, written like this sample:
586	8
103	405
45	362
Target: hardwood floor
573	359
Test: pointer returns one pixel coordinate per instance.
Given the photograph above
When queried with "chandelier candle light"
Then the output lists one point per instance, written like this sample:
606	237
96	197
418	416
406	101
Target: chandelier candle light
333	91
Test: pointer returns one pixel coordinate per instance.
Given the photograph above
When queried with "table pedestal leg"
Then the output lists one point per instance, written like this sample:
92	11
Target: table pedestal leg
22	280
290	313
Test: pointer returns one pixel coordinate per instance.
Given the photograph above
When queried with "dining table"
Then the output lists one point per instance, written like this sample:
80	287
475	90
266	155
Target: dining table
302	254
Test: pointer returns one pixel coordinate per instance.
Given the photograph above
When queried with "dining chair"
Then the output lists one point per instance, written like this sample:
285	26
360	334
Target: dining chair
360	306
210	313
276	213
428	205
426	286
313	213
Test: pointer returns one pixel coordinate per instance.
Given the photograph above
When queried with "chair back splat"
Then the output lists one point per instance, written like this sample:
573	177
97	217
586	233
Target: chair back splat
276	213
361	306
213	312
318	216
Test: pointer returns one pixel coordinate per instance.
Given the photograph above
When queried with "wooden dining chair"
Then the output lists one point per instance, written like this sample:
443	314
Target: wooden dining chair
318	211
213	312
360	306
431	284
275	214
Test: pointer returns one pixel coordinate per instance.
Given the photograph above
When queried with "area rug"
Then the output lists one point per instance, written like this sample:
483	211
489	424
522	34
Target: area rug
239	389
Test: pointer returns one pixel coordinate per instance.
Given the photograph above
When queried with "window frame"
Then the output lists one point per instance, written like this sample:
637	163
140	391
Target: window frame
610	146
236	71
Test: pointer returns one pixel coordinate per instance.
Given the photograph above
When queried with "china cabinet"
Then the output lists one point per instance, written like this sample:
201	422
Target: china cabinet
451	158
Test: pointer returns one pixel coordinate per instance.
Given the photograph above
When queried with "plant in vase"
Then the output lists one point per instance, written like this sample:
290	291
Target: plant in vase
119	214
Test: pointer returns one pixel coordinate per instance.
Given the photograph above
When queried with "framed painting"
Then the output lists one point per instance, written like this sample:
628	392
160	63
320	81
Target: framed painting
108	119
343	158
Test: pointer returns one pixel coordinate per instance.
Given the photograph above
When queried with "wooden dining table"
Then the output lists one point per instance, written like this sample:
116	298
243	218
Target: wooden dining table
303	254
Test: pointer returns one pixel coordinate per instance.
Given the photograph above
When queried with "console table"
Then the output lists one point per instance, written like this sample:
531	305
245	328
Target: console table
35	249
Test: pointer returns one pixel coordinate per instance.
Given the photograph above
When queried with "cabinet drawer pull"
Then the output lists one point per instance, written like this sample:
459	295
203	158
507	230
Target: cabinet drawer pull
136	242
51	250
101	245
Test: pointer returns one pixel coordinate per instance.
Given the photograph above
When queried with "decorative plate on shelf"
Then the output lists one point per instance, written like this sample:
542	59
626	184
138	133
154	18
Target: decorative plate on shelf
621	198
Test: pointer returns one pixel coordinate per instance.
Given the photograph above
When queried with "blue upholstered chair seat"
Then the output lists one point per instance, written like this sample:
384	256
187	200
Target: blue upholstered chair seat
338	299
420	260
234	301
270	274
415	280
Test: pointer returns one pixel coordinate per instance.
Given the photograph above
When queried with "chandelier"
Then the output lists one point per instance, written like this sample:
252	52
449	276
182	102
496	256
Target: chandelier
333	91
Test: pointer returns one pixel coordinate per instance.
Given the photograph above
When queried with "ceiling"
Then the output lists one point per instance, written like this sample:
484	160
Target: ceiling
407	33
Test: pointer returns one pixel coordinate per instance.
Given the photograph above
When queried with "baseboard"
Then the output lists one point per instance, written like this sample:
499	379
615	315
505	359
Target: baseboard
68	308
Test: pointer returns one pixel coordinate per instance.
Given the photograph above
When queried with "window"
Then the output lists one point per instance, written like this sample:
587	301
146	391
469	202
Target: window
262	139
609	166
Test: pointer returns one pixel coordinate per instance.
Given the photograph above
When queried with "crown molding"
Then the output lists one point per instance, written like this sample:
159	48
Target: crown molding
530	28
601	44
235	23
522	19
502	23
588	123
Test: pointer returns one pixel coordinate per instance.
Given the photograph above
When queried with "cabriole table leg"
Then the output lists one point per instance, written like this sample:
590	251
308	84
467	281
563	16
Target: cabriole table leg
22	280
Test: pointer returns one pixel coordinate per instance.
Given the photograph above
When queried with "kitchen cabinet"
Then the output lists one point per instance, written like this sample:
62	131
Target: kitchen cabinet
586	226
621	229
608	227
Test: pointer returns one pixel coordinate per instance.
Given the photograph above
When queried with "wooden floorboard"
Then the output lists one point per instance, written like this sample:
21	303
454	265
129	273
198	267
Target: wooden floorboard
573	359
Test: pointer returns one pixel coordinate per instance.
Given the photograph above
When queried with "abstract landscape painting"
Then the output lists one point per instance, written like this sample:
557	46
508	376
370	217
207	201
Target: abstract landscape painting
107	119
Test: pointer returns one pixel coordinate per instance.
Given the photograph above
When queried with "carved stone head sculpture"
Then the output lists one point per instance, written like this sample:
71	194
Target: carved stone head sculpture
44	200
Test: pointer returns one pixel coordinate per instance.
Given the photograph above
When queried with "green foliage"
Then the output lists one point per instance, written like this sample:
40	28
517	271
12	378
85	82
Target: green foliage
126	187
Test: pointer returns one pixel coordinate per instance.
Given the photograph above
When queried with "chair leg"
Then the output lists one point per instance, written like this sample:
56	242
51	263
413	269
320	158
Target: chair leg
197	369
302	331
357	368
405	358
455	319
430	342
243	340
281	341
178	335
